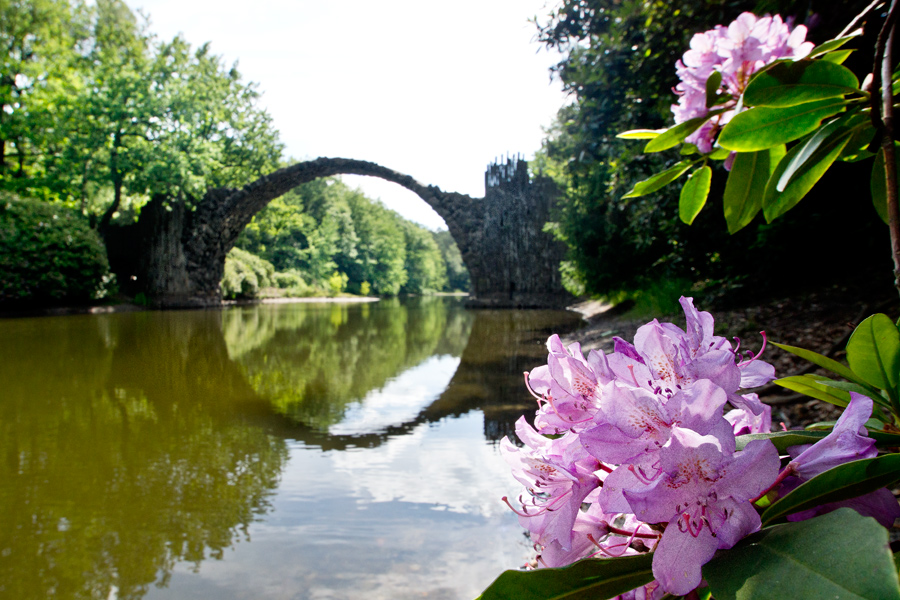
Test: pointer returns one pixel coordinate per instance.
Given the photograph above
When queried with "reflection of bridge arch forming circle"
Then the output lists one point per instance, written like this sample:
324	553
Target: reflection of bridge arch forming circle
176	256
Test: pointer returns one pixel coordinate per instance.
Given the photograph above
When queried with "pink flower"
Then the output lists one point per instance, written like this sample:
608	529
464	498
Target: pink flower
848	441
557	474
736	51
568	387
704	494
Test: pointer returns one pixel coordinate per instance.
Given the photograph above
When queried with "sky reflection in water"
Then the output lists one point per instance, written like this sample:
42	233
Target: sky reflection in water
300	451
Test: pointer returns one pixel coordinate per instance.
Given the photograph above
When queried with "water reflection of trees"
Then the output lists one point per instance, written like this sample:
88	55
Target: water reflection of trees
502	345
134	441
118	456
311	363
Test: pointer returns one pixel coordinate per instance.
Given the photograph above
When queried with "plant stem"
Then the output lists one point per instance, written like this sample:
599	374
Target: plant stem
883	51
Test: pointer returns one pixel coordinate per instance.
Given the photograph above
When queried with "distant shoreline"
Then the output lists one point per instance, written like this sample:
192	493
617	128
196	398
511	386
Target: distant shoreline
58	311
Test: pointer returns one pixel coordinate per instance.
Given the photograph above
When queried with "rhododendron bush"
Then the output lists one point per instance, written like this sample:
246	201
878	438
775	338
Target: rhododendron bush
654	471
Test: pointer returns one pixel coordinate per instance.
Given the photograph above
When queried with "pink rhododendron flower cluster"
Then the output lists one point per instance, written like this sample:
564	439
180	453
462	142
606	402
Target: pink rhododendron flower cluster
633	452
736	51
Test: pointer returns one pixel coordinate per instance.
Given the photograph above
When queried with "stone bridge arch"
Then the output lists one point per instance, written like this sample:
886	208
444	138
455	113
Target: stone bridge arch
176	255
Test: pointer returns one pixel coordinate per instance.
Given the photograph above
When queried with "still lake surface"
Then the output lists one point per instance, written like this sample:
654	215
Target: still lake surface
301	451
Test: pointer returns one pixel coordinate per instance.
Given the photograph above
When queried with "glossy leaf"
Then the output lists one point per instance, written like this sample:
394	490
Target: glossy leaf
849	386
842	482
746	185
885	439
761	128
841	556
591	578
828	363
776	203
812	388
713	83
675	135
857	148
820	360
873	352
640	134
838	57
793	83
809	149
651	184
879	189
834	44
694	194
829	425
782	439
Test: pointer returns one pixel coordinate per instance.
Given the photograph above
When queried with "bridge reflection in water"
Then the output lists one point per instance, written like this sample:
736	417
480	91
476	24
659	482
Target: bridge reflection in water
292	451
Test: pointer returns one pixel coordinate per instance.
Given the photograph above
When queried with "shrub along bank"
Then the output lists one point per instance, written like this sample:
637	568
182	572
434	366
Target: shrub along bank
49	255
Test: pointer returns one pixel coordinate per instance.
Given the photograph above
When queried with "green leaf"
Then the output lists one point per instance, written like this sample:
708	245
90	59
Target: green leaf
874	352
870	424
834	44
746	185
782	439
821	361
640	134
776	203
879	189
838	57
808	149
885	439
839	483
651	184
713	83
763	127
593	578
803	81
857	148
840	556
693	194
848	386
675	135
810	387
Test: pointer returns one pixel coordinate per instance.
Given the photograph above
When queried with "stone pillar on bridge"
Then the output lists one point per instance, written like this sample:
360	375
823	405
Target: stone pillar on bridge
517	263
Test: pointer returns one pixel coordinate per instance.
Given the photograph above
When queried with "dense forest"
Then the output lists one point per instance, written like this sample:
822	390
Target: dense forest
98	116
619	67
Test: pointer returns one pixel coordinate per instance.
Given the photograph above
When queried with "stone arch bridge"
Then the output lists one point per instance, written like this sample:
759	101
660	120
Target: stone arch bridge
175	255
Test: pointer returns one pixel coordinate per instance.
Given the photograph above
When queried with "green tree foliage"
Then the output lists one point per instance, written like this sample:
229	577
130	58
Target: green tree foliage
97	111
246	274
323	227
619	67
425	267
457	273
48	254
37	62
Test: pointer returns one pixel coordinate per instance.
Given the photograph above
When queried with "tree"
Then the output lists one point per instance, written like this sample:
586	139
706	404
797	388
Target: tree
618	64
37	41
425	267
457	273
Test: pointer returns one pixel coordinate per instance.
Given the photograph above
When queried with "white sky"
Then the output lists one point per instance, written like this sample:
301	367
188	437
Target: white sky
436	90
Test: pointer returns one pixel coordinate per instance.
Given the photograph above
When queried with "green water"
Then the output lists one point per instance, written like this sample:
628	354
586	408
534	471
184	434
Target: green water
274	451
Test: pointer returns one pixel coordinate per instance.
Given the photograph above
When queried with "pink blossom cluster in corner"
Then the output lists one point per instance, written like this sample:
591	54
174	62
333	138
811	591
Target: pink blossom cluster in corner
736	51
633	452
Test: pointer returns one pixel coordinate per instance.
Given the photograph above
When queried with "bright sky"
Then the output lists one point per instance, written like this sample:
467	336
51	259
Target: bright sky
436	90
